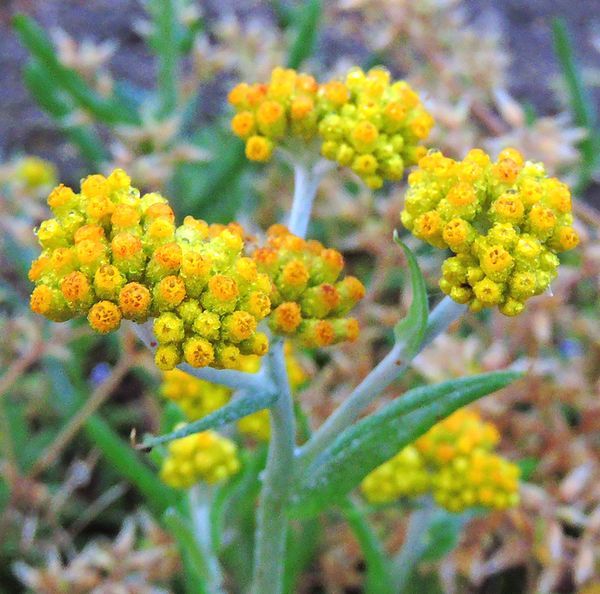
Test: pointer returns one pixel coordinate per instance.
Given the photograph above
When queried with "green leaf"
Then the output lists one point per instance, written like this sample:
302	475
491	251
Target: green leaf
378	437
209	190
411	330
241	407
167	51
302	543
193	560
237	517
38	83
68	80
443	534
307	27
582	106
379	578
122	458
283	13
528	466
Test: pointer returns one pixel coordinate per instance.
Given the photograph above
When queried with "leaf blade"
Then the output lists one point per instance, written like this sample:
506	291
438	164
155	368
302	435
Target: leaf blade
37	42
412	328
358	451
582	106
241	407
307	29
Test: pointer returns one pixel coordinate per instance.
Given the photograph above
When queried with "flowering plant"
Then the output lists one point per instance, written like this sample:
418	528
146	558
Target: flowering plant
214	304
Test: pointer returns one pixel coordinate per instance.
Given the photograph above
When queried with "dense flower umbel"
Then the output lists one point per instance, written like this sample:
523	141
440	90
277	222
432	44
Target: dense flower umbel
505	221
205	456
454	462
308	299
110	254
366	122
197	397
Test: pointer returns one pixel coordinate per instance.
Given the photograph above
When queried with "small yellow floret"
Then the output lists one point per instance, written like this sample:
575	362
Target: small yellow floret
104	317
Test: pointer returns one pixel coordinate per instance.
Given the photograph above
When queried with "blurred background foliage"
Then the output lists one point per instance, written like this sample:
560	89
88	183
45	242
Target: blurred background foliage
142	85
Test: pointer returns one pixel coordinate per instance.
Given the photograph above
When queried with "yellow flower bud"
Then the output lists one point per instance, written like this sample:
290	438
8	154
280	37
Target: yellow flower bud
104	316
198	352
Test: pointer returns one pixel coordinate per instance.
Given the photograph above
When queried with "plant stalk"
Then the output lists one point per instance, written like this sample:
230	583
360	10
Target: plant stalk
200	499
306	181
378	578
392	366
272	523
415	543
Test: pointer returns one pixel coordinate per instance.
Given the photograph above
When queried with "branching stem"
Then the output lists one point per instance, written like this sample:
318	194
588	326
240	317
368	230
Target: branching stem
236	380
271	518
394	364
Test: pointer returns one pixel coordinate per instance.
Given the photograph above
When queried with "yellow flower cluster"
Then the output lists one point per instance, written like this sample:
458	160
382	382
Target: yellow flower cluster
197	398
454	462
205	456
405	475
308	299
366	122
110	254
504	221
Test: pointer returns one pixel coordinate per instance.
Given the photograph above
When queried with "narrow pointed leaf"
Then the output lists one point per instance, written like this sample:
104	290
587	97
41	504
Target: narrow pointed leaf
240	407
68	80
193	561
378	572
411	329
115	450
38	83
378	437
166	32
582	106
307	27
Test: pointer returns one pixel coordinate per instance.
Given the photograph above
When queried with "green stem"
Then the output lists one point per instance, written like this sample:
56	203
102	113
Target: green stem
379	577
200	499
272	523
395	363
415	544
193	560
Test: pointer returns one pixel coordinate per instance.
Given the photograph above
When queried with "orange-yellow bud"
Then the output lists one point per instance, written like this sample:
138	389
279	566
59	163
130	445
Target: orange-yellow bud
104	316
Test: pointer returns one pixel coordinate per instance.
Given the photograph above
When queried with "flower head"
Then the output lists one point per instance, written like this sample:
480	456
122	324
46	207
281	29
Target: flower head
205	456
455	462
366	122
504	221
309	300
111	254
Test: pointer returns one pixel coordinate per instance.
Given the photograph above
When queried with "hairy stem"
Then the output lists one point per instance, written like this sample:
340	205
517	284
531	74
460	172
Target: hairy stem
306	181
271	519
415	543
200	498
389	369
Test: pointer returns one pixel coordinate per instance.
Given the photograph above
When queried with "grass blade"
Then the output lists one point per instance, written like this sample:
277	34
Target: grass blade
584	112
